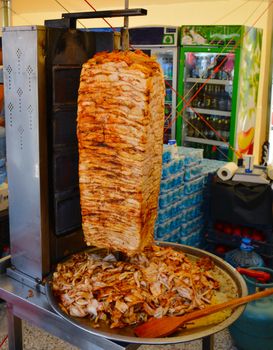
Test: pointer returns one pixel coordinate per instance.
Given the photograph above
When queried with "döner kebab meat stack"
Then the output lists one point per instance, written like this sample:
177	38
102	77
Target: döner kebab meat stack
120	136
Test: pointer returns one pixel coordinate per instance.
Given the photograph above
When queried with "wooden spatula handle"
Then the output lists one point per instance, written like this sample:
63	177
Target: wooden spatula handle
161	327
228	304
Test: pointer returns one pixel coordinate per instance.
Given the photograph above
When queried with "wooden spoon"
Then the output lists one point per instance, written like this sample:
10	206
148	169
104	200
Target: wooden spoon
162	327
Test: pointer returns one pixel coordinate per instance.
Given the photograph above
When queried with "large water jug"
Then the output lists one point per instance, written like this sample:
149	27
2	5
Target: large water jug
245	256
254	328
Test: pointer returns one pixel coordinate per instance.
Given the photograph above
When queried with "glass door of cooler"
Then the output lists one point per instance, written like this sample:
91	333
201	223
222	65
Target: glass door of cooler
167	57
207	106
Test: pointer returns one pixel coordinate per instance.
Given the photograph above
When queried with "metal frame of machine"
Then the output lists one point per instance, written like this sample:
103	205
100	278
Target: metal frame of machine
40	67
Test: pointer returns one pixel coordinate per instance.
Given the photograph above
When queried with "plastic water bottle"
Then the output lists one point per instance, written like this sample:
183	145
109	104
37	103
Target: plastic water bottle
245	256
174	150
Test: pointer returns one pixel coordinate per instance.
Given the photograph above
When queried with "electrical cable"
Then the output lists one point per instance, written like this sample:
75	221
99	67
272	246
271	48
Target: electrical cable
3	341
221	52
62	6
187	103
203	136
231	11
227	45
86	1
206	81
176	92
209	125
105	20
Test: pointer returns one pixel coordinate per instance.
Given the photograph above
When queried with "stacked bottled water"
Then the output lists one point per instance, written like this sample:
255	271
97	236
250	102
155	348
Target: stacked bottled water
180	216
191	230
210	166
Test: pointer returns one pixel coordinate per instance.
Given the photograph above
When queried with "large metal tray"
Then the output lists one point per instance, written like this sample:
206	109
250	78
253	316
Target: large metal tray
233	281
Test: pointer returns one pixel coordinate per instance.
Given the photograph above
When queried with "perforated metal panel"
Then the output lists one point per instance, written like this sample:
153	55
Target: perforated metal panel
23	63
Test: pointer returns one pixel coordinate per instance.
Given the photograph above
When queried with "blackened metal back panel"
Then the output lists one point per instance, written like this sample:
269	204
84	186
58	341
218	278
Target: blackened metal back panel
67	50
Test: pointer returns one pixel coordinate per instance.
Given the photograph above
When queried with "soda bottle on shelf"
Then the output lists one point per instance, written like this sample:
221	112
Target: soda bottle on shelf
197	127
190	129
168	97
207	97
211	132
168	109
226	128
216	96
202	68
165	67
212	135
222	99
229	103
170	68
194	102
194	73
206	128
213	97
244	256
217	127
197	66
201	98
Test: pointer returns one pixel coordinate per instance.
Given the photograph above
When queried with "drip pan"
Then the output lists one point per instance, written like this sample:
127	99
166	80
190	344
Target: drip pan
233	284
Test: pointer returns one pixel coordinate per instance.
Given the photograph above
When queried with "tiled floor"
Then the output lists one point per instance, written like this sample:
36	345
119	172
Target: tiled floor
36	339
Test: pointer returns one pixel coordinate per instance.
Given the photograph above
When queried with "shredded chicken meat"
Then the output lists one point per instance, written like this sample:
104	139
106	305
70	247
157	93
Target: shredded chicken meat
120	128
159	281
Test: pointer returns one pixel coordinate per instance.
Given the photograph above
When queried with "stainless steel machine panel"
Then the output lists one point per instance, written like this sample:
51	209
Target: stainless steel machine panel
25	110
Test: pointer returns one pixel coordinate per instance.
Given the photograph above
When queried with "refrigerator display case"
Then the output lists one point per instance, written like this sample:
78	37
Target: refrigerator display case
161	42
218	87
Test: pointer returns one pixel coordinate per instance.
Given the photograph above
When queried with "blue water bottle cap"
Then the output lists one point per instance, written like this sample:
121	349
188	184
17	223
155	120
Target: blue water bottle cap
246	245
172	142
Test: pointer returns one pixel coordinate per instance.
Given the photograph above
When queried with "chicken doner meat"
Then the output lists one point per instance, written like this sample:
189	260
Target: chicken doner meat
156	282
120	138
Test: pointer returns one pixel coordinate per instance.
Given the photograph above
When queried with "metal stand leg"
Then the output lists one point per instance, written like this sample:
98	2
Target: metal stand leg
14	330
208	343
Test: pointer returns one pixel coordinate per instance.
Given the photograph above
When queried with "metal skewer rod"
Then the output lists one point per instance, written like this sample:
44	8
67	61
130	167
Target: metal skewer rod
126	18
125	31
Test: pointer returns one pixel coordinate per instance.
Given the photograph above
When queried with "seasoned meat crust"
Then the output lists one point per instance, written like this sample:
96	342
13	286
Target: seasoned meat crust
120	138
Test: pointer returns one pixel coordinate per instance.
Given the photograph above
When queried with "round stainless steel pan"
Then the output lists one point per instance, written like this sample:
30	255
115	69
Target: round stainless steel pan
233	282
